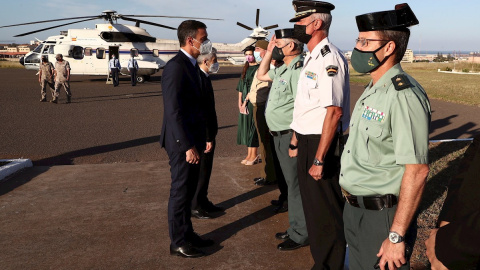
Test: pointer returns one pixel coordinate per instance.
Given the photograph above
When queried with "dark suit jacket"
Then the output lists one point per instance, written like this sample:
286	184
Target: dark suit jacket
184	118
210	113
457	244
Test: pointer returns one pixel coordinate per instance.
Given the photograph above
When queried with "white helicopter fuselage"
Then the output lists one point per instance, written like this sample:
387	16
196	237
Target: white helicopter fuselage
89	50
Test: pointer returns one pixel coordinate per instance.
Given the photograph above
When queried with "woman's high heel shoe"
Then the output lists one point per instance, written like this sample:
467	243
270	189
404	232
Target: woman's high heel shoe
243	161
255	161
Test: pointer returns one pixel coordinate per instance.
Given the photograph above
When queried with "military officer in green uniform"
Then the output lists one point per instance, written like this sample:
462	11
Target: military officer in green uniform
279	115
384	164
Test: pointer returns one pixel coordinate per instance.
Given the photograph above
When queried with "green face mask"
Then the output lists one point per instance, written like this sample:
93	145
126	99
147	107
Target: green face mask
366	61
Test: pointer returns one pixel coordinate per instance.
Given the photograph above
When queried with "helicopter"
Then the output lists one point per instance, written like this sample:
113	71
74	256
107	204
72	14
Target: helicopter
89	50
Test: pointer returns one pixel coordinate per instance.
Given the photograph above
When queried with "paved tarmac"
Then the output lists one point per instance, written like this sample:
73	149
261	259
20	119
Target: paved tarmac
109	210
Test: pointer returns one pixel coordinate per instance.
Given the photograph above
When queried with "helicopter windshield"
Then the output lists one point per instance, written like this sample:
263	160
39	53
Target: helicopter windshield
38	49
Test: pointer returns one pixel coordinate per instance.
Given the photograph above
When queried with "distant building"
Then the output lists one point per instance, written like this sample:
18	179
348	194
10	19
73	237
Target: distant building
408	57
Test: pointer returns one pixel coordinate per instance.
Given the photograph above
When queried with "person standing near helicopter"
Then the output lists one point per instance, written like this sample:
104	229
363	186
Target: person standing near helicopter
132	67
114	67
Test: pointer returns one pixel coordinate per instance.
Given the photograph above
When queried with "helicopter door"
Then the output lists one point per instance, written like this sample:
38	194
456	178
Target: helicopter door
113	50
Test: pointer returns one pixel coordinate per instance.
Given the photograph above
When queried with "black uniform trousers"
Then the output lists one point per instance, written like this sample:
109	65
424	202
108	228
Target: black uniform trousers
133	76
322	204
184	183
115	76
200	199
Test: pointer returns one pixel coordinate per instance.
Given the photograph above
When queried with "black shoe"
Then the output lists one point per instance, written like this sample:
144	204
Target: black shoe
196	241
201	214
282	236
186	251
276	202
212	208
69	100
289	244
264	182
281	209
54	101
258	179
43	100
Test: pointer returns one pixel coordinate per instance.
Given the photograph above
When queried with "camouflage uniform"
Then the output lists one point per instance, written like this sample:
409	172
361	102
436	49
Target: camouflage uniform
46	78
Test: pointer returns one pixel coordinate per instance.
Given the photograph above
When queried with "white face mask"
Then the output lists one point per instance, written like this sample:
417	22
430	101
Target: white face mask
214	68
205	47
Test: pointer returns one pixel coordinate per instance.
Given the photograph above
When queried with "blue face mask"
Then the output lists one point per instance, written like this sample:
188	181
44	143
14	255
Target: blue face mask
257	56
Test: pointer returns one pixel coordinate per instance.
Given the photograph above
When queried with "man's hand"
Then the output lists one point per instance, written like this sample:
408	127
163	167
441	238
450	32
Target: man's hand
316	172
192	156
293	153
430	244
271	44
208	148
393	254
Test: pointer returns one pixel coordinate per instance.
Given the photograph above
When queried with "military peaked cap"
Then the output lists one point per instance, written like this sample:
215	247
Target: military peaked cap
305	8
398	19
284	33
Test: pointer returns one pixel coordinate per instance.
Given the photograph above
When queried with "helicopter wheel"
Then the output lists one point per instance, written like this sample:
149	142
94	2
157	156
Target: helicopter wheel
141	79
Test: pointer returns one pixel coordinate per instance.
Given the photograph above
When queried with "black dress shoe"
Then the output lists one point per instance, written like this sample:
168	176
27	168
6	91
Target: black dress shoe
289	244
201	214
211	208
276	202
196	241
282	236
281	209
187	251
264	182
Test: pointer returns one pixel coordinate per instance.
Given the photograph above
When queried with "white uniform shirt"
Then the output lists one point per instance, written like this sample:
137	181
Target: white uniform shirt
132	64
324	81
114	63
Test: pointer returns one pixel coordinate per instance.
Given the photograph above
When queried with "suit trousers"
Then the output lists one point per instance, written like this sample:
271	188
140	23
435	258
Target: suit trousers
115	76
200	198
322	204
298	228
184	183
133	76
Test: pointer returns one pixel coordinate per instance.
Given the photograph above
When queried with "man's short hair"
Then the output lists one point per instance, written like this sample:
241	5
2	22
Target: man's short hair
207	56
325	18
188	28
401	41
298	45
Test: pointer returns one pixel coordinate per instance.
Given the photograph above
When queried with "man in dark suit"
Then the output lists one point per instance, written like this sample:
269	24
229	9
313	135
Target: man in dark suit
456	243
184	135
202	207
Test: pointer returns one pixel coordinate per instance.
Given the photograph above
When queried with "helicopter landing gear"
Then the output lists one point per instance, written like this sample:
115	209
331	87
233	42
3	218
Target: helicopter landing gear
142	79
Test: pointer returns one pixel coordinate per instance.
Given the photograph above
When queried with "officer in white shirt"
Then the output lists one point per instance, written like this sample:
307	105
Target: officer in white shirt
132	67
321	104
114	68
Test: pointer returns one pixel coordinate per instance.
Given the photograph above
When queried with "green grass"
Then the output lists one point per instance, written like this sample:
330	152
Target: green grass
457	88
10	64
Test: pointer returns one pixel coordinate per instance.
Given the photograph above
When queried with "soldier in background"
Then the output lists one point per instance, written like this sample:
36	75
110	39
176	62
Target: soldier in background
62	78
132	67
114	68
45	77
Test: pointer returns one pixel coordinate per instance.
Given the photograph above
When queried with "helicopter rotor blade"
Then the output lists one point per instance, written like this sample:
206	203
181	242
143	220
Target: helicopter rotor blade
271	26
145	22
244	26
179	17
48	28
258	16
54	20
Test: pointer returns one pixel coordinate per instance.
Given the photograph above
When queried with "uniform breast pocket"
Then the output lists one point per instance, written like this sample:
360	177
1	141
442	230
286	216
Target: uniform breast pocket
370	146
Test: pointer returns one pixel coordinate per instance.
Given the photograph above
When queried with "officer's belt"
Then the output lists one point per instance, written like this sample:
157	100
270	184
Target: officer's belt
377	202
282	132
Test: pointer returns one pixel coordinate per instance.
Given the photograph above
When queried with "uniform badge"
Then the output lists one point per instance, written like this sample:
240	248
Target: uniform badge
311	75
370	113
332	70
401	82
299	64
325	50
282	81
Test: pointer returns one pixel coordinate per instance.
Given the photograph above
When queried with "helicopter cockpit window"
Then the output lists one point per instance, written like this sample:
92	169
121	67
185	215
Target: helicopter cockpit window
38	49
134	52
77	52
88	51
45	49
100	53
155	52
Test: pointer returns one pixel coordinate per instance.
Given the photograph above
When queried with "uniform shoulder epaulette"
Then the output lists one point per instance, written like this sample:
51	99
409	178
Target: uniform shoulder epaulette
401	82
299	64
325	50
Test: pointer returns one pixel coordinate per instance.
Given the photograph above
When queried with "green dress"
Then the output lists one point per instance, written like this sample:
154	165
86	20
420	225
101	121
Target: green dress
247	133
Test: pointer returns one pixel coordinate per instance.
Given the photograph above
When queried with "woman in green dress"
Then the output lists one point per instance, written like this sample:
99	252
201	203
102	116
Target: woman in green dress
247	133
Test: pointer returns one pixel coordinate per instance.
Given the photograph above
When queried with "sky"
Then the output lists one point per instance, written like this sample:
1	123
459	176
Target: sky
444	25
